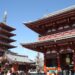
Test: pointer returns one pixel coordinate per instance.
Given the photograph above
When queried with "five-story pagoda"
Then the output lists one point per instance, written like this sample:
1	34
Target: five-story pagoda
56	40
5	36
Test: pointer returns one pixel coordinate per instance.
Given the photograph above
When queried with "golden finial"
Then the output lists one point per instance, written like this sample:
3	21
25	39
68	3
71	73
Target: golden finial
5	17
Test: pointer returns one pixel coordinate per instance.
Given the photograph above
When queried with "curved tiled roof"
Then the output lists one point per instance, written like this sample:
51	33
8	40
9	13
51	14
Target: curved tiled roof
60	11
17	58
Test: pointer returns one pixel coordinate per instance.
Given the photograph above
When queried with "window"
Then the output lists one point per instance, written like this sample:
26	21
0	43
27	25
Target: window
53	51
73	25
60	28
53	29
49	30
48	52
67	26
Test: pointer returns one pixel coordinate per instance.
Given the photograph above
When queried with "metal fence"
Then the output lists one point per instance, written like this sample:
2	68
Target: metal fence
37	74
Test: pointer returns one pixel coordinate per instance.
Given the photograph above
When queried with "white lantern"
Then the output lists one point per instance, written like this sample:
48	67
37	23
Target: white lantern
68	60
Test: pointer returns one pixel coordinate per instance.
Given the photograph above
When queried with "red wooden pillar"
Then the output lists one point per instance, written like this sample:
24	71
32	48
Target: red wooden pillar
26	69
45	68
58	61
74	60
15	67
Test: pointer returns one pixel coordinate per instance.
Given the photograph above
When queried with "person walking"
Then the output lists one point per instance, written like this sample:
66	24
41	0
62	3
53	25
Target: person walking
9	72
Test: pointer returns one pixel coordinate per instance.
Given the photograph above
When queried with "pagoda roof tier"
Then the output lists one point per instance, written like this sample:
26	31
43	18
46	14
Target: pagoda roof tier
7	33
64	16
6	45
41	46
6	27
6	38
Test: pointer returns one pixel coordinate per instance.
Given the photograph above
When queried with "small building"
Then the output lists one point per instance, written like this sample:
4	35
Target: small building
18	62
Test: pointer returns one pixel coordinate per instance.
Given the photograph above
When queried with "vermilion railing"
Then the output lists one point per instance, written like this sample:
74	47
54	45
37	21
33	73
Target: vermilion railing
58	36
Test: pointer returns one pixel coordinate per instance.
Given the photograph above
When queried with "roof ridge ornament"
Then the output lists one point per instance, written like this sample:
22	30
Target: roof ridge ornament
5	17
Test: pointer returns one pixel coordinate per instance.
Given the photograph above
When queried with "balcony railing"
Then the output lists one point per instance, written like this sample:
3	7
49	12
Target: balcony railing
59	36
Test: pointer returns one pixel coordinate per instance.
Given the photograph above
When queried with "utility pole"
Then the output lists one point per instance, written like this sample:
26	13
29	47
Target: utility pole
38	62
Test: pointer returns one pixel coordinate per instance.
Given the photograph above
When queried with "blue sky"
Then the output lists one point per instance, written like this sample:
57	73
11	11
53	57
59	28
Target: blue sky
20	11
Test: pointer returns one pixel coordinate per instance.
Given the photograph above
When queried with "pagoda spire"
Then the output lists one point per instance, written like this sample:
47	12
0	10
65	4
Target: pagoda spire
5	17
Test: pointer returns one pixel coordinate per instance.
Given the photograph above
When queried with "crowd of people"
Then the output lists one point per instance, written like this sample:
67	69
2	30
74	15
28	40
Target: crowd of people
9	72
6	69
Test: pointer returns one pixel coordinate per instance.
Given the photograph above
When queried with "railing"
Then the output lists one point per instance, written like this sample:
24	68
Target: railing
58	36
60	73
37	74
